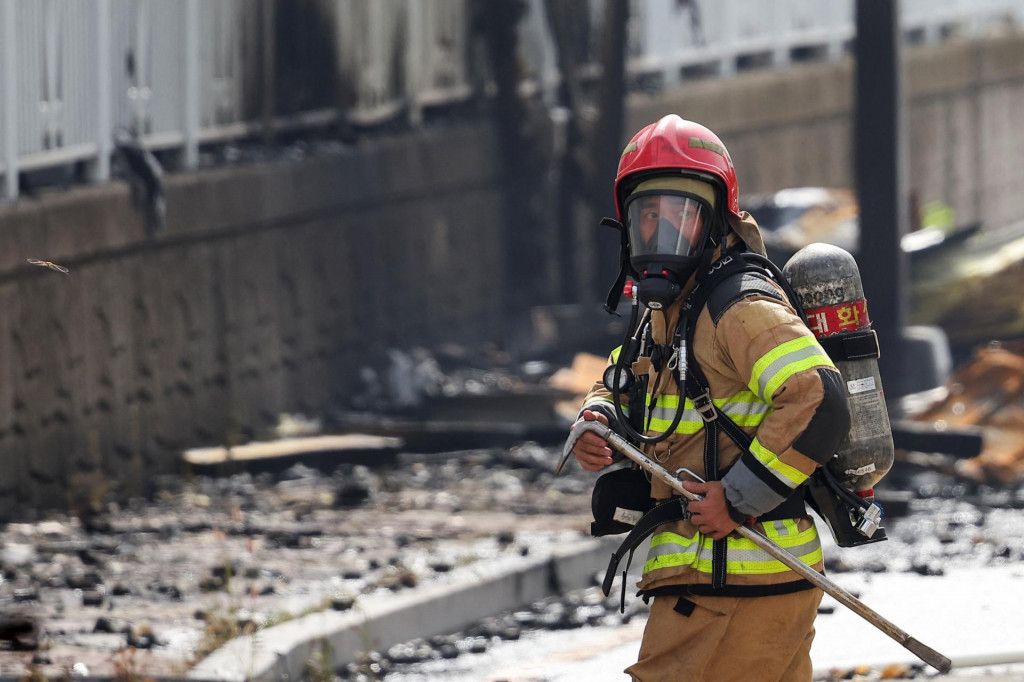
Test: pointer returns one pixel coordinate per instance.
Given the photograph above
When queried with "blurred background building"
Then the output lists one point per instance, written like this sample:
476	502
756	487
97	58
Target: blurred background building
256	199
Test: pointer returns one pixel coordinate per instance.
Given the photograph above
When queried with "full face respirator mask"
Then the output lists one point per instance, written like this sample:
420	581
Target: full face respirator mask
669	222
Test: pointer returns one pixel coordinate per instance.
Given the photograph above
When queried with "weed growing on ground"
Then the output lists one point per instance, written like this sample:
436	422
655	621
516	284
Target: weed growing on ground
221	628
319	666
34	674
126	668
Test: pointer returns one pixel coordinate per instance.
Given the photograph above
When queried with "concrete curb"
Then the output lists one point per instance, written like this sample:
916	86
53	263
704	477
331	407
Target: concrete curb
381	620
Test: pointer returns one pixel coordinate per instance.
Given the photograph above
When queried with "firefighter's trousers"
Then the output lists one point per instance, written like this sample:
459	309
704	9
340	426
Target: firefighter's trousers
728	639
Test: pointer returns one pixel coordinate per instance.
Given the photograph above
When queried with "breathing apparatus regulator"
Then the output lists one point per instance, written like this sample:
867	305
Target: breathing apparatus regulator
675	191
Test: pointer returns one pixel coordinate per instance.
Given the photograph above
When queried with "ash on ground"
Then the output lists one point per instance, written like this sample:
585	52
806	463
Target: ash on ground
168	579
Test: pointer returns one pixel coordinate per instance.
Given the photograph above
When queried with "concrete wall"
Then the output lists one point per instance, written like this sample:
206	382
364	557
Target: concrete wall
272	282
794	127
264	294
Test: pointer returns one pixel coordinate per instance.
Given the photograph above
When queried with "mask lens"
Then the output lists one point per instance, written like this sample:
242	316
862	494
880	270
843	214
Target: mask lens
666	224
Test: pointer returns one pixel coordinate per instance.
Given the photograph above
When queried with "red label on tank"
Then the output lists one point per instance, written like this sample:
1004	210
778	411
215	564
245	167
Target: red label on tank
834	319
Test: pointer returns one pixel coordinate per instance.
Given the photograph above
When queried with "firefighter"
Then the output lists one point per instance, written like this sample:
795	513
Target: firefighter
722	609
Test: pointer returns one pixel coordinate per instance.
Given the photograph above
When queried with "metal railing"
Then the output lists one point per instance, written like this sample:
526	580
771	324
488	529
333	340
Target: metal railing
188	72
180	74
672	36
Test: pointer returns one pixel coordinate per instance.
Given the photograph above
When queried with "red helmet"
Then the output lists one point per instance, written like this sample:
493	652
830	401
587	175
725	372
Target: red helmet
675	144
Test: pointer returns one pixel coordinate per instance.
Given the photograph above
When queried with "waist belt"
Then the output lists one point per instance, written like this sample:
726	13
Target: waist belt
675	509
685	606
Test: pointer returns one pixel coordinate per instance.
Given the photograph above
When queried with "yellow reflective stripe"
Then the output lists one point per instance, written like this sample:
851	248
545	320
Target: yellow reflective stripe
670	550
777	365
789	475
748	419
687	426
744	408
614	357
771	565
743	398
672	401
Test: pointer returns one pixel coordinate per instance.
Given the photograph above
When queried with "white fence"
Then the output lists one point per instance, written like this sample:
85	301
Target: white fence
189	72
672	36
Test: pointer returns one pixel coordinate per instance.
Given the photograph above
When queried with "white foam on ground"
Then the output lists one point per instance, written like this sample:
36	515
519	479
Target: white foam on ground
975	616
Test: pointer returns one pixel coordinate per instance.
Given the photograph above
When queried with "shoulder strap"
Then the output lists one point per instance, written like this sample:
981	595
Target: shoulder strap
735	288
728	280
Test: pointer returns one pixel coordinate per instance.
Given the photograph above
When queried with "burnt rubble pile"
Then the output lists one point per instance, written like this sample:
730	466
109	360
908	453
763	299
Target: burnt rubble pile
986	393
452	400
402	381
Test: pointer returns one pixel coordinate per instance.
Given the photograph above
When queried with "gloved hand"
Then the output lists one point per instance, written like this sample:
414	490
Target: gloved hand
710	515
592	451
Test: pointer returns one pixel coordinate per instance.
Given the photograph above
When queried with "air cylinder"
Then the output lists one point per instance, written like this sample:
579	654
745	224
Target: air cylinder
827	282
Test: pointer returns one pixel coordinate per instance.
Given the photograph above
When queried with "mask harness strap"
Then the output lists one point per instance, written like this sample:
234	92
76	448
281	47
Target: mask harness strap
615	293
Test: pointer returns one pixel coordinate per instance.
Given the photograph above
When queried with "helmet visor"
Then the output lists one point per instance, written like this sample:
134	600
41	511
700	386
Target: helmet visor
667	224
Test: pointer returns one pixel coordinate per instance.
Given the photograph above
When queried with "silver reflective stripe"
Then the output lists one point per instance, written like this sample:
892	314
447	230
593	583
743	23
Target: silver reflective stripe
737	409
666	549
769	372
669	413
757	555
780	528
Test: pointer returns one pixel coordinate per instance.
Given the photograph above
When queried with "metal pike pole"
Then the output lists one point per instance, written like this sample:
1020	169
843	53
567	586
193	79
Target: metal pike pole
925	653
